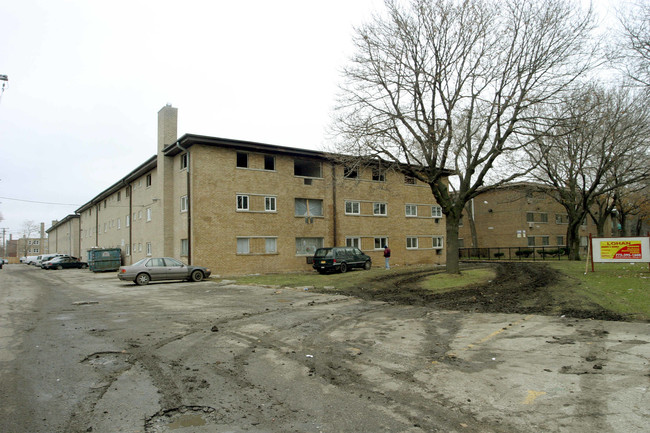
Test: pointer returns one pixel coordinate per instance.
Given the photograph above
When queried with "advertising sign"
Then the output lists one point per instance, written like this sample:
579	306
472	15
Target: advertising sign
628	249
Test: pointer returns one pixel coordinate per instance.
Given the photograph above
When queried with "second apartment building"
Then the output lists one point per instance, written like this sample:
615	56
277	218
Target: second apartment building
241	207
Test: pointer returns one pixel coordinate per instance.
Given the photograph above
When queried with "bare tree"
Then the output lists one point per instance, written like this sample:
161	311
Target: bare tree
633	202
601	147
29	228
442	85
632	49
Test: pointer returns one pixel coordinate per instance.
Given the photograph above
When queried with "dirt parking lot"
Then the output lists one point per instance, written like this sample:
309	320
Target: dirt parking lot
84	352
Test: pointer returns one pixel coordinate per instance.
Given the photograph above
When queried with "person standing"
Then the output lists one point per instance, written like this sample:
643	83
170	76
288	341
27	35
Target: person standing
387	256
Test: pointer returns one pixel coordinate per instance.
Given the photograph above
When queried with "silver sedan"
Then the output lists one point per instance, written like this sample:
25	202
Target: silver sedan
161	268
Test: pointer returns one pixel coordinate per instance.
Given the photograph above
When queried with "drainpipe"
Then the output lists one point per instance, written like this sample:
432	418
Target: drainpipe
189	204
128	187
335	214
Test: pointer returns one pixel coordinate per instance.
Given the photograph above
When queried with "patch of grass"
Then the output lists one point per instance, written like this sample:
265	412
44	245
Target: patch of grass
443	282
622	288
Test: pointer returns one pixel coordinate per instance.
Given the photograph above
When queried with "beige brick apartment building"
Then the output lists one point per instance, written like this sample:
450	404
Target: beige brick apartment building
63	236
519	215
241	207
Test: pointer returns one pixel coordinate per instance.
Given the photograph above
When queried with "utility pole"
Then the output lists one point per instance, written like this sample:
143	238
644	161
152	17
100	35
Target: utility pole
4	245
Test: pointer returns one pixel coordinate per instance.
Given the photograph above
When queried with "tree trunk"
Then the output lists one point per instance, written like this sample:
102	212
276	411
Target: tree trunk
573	241
453	262
469	211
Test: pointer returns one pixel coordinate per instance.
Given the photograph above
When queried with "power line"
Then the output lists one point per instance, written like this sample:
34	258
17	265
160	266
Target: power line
39	202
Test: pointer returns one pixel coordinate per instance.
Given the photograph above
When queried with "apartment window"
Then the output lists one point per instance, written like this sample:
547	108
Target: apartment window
127	191
128	249
139	215
270	245
148	181
269	162
438	242
352	207
308	207
409	180
379	209
411	210
543	217
436	212
411	243
353	242
545	241
104	204
269	204
560	219
119	195
119	223
308	246
184	158
105	228
350	172
242	202
29	242
127	220
184	203
148	248
90	212
243	246
37	242
378	175
149	214
185	247
139	247
461	243
36	250
531	241
560	240
380	243
530	217
242	160
307	168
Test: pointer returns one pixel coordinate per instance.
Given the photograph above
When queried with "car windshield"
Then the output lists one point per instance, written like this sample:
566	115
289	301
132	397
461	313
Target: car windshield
323	252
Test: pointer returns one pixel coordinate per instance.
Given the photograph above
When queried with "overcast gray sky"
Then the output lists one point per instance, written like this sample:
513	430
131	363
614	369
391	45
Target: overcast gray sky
87	78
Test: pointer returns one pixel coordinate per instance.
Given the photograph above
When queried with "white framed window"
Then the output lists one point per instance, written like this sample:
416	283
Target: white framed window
270	245
119	223
105	227
308	207
243	246
184	159
381	242
436	212
139	247
127	220
36	250
148	214
411	243
184	203
411	210
29	242
379	209
148	248
437	242
269	204
352	208
185	247
37	242
308	246
139	214
242	202
128	249
378	175
353	242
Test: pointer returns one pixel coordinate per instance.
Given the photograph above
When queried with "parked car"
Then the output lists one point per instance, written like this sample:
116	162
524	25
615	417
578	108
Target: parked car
22	259
340	259
29	260
161	268
64	262
45	258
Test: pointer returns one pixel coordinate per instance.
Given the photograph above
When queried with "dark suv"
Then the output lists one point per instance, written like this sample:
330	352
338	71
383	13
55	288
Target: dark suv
340	259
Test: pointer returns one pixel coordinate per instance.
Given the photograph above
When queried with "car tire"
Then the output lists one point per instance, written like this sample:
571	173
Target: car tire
58	268
367	265
84	266
343	268
196	276
142	279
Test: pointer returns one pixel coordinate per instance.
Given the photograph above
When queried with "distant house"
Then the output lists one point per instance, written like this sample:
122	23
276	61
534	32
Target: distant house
519	215
242	207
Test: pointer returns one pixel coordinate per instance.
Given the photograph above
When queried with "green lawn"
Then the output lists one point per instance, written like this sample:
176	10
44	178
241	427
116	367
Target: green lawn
622	288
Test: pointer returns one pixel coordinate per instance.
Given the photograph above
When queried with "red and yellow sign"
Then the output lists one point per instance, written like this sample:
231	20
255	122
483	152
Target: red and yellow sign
621	250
